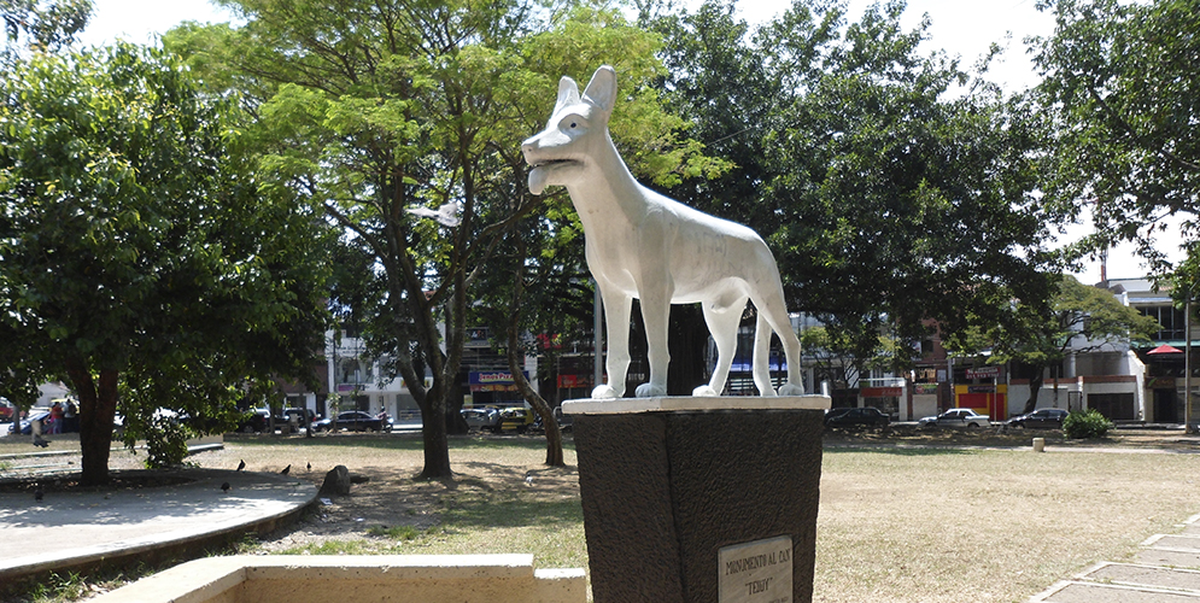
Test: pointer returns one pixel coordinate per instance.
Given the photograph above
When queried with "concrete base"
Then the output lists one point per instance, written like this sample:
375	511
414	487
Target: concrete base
321	579
667	483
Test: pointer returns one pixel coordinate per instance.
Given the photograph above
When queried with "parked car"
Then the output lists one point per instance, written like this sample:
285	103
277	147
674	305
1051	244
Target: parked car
483	419
836	412
959	418
516	419
304	416
354	420
25	425
7	410
867	415
565	421
1042	418
258	420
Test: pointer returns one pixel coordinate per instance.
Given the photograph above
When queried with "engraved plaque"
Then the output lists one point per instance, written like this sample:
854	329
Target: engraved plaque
756	572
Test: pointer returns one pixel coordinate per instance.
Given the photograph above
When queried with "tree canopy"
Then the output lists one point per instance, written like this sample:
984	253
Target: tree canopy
1120	80
1077	318
47	25
894	187
137	252
373	109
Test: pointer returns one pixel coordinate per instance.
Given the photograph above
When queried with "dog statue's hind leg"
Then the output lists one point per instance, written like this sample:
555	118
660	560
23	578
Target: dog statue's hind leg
722	321
772	315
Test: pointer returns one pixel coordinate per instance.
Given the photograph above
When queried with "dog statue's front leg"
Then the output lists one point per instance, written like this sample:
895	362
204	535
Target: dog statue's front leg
656	313
617	308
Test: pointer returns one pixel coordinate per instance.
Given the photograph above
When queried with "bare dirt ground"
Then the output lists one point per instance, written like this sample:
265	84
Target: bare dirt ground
997	437
503	499
486	468
394	499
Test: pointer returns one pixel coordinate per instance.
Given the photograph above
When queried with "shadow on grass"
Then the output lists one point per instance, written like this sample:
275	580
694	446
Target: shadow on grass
404	441
486	512
897	450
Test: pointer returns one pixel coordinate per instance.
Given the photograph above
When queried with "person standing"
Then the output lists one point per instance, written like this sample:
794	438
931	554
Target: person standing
56	418
70	418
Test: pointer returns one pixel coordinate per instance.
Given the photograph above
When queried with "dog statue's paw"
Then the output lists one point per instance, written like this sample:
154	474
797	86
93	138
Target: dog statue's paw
704	391
791	389
647	390
604	392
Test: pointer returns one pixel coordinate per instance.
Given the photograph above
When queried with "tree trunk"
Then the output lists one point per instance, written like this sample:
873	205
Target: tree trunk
1035	385
433	433
554	440
97	407
554	451
455	423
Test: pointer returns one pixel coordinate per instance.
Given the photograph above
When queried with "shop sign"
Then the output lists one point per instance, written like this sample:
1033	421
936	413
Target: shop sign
493	377
984	372
882	392
574	381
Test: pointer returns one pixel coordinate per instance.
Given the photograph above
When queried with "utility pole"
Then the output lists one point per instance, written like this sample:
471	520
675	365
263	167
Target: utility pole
1189	427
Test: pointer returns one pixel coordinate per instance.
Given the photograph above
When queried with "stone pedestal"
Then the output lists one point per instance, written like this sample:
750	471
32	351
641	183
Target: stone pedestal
700	500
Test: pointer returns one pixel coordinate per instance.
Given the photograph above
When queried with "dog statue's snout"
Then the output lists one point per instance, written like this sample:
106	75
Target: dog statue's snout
528	146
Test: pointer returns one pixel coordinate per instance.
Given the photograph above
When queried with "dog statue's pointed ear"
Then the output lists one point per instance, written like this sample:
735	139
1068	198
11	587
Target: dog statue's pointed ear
602	90
568	93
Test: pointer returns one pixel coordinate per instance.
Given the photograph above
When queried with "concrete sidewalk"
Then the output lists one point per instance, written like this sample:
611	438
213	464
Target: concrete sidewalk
75	530
1165	570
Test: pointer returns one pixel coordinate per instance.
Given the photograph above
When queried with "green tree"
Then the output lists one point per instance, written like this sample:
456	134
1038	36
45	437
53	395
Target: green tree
1078	318
43	25
138	255
893	187
378	108
842	367
1120	80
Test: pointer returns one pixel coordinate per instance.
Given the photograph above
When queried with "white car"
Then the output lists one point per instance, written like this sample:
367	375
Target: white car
963	418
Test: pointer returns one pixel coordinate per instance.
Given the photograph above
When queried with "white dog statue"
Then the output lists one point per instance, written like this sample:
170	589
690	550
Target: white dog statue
644	245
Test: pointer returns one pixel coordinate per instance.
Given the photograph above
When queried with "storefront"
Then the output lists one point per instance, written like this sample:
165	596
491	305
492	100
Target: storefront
496	388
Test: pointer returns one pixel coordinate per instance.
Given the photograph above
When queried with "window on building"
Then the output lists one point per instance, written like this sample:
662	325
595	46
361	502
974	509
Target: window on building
1169	318
926	348
925	375
1020	370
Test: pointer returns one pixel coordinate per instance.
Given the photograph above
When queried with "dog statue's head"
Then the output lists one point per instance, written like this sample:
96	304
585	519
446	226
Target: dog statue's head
570	143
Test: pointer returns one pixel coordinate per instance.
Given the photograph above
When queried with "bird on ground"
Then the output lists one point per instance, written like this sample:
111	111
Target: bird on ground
40	441
309	467
286	470
529	478
225	487
38	493
241	465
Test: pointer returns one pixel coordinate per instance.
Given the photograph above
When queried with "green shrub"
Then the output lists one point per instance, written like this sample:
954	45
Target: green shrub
1087	424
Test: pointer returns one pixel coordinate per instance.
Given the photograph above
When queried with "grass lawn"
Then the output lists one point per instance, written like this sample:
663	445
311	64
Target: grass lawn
986	525
896	524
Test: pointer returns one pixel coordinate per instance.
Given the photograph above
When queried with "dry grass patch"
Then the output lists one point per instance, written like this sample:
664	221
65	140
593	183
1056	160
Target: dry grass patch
904	517
948	525
502	499
896	524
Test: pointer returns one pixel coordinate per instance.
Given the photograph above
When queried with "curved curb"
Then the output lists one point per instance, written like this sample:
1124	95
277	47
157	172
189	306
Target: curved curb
74	531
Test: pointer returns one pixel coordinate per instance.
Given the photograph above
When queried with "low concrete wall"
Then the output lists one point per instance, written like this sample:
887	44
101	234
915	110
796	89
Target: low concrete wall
321	579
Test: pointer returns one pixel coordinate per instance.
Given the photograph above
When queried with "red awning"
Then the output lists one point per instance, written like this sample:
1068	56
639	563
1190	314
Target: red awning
1165	349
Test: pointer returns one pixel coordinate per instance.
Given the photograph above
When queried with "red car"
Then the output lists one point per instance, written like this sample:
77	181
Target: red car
7	410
